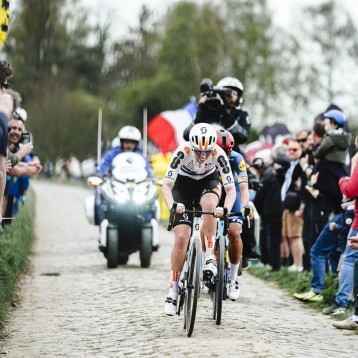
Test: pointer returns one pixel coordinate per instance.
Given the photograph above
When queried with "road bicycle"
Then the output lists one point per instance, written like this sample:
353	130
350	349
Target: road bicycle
191	275
219	284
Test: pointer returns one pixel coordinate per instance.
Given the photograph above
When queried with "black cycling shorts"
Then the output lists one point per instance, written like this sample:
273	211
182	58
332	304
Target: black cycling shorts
4	134
188	191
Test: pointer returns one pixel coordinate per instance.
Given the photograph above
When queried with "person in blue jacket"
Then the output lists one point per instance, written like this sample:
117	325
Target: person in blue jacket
129	138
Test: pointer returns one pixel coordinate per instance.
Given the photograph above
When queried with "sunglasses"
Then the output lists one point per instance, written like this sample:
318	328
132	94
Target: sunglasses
202	152
302	140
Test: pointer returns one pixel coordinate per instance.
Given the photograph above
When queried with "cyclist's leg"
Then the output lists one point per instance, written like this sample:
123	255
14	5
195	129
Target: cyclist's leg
208	203
235	253
235	248
182	231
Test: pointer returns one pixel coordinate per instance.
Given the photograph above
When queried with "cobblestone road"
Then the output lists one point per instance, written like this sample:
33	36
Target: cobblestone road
73	306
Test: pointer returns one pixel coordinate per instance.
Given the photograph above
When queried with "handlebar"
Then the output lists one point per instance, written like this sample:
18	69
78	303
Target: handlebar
197	213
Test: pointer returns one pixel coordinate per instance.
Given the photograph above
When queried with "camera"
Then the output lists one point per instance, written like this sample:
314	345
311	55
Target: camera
25	138
210	91
254	184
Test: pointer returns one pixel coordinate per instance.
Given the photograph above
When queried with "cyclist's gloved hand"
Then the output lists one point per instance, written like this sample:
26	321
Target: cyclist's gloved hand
247	211
180	208
219	212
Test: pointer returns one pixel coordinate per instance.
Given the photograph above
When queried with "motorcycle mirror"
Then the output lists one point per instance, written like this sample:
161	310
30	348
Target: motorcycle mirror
95	181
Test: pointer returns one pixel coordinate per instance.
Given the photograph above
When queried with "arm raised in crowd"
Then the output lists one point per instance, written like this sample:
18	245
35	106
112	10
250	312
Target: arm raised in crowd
22	168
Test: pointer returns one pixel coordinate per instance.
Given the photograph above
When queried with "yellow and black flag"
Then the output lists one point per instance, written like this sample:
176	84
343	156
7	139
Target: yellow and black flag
4	19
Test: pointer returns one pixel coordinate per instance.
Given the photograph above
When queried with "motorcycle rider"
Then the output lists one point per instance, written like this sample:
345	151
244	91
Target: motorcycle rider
193	173
129	138
238	167
224	110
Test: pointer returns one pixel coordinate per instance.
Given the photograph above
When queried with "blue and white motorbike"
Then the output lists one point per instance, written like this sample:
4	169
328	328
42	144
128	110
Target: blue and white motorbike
126	208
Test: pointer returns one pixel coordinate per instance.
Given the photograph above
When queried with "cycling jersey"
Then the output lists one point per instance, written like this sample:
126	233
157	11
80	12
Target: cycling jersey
184	163
238	168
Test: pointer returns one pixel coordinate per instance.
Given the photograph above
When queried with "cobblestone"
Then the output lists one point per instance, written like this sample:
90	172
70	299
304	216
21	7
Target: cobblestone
73	306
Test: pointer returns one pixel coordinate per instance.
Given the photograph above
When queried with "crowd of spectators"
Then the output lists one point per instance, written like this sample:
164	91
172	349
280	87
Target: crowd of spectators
17	162
306	210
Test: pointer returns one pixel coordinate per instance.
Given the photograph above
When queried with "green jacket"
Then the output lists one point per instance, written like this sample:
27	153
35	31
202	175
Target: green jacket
334	146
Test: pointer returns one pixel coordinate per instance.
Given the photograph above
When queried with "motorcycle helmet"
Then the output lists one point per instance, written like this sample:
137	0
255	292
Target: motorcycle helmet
129	133
203	137
235	84
337	117
225	140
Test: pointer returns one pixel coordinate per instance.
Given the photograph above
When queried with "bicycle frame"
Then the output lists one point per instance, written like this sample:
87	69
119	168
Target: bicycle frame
190	280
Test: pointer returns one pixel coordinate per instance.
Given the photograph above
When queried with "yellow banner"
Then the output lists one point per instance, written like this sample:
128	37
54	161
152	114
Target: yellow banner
4	20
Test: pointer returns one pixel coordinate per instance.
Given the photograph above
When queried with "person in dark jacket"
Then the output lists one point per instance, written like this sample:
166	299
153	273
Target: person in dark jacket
269	205
334	146
221	105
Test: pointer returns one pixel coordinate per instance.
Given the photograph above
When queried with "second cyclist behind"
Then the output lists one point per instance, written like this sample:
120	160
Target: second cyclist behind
238	166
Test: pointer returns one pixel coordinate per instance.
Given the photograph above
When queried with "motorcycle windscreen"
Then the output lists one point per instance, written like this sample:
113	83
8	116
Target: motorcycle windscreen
129	166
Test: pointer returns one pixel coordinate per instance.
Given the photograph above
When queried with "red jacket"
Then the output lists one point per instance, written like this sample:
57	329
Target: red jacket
349	187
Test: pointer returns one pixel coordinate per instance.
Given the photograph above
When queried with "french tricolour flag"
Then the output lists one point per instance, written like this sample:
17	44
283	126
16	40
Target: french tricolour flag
166	129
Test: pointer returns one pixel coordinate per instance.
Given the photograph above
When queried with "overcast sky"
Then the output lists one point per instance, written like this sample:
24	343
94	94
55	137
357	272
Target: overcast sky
126	13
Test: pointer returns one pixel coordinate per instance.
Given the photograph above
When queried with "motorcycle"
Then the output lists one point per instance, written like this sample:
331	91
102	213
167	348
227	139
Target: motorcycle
126	208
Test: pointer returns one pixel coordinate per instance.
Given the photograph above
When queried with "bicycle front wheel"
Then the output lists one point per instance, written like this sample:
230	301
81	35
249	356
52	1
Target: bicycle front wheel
193	286
219	280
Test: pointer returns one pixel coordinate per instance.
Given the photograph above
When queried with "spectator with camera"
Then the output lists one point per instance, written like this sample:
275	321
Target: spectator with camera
221	105
18	177
6	108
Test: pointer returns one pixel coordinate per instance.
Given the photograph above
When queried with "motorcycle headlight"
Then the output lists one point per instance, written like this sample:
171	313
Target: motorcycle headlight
144	192
140	193
117	191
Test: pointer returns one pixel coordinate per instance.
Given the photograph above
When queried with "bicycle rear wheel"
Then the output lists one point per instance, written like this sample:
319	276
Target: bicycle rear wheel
219	280
193	287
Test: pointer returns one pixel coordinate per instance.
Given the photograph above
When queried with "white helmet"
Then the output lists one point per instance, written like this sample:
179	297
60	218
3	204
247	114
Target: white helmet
233	83
129	133
203	136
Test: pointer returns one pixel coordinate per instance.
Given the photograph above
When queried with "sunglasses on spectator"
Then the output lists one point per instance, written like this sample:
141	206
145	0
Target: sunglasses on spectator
302	140
292	149
5	85
202	152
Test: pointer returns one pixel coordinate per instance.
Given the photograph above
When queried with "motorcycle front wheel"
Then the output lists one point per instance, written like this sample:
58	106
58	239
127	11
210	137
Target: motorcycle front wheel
146	248
112	248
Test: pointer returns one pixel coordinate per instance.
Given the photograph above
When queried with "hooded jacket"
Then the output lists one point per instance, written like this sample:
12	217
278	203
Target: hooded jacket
334	146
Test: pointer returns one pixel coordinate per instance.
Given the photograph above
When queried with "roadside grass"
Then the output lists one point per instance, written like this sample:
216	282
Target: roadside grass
292	282
15	242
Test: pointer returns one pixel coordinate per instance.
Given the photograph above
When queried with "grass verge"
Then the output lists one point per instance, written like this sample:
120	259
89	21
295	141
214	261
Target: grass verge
299	282
15	242
292	282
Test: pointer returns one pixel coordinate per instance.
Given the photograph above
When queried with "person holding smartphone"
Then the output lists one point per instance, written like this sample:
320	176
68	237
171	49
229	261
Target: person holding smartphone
349	269
6	108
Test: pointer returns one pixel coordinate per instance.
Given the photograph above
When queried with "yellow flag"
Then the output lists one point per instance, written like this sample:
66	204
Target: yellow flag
4	19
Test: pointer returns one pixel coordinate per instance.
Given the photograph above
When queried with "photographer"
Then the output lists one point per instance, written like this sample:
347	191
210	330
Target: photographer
221	105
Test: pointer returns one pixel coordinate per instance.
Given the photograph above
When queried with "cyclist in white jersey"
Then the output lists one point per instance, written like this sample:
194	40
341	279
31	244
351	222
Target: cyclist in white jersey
193	175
